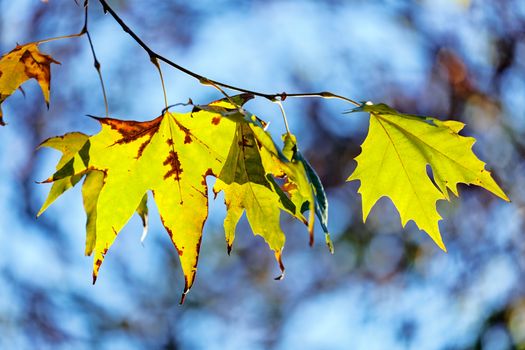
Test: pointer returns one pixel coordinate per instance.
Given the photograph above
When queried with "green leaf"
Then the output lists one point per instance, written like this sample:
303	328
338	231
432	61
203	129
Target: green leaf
245	185
321	201
69	144
394	159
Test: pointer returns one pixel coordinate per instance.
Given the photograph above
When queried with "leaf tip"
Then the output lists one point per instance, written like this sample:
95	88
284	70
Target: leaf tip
440	243
185	292
183	297
504	196
278	257
329	243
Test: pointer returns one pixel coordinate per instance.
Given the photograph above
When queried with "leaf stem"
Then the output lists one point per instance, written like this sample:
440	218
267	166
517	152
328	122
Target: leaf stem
60	38
284	116
96	63
272	97
155	62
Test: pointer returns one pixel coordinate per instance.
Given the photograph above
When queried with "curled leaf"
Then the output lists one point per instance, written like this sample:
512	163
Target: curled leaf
24	62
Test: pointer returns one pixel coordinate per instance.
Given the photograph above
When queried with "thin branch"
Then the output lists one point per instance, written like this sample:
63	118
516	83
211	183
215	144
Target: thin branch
272	97
96	63
82	32
213	84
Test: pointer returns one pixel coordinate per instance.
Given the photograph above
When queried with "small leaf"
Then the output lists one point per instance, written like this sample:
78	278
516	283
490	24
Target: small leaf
69	144
24	62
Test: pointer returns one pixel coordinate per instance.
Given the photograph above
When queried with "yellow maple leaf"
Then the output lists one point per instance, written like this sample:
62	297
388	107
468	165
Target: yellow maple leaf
394	159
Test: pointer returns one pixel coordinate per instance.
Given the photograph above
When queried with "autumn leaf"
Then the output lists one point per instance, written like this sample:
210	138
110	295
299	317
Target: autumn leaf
171	155
301	182
247	186
69	144
248	183
394	159
24	62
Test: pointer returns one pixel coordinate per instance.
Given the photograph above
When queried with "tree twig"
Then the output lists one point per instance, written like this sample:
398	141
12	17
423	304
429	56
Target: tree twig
96	62
153	55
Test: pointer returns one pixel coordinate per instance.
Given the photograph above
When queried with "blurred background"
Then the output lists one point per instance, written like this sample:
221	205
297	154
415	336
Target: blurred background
385	287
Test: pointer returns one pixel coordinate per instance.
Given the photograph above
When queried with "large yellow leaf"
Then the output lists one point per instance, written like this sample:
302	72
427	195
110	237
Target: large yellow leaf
393	163
171	155
24	62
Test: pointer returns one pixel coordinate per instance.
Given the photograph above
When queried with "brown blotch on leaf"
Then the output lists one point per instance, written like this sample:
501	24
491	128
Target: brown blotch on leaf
131	130
245	143
216	120
169	142
198	250
37	66
208	172
174	162
187	137
142	148
180	251
170	233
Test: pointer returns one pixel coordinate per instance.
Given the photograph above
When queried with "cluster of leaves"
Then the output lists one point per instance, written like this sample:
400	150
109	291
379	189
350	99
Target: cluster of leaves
173	154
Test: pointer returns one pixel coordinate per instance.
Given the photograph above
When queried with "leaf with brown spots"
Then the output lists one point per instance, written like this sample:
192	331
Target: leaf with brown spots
301	183
24	62
248	182
171	156
246	187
